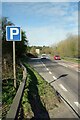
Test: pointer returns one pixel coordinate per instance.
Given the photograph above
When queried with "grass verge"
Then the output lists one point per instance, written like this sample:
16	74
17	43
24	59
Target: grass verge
71	59
39	97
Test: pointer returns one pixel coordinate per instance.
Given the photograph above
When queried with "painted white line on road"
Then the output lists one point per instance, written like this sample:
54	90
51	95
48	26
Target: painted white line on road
70	66
50	72
78	70
47	69
54	77
77	104
63	64
63	87
43	64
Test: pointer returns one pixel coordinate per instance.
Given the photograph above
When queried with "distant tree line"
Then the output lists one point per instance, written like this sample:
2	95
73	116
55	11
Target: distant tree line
68	47
43	49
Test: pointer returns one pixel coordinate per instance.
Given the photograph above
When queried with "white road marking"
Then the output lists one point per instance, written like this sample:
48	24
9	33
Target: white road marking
50	72
63	64
43	64
54	77
47	69
78	70
77	104
71	66
63	87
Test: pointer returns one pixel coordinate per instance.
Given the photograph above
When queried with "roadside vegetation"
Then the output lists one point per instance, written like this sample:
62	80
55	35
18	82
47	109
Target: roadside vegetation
8	90
76	60
7	96
68	49
39	98
7	50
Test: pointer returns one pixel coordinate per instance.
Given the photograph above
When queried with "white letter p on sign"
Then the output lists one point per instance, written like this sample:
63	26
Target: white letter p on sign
13	33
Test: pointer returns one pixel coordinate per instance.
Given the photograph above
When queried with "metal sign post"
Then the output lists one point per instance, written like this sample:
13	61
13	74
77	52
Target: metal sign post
14	64
13	34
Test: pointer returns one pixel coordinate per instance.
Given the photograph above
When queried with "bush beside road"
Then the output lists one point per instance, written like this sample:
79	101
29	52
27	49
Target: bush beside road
9	92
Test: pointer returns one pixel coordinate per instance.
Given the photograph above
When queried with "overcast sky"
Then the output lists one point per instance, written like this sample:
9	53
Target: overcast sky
45	23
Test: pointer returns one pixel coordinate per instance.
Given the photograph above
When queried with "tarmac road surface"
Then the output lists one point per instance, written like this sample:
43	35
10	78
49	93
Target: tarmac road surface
64	79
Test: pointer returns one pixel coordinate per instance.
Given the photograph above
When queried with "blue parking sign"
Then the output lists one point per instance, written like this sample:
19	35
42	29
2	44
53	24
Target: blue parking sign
13	33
